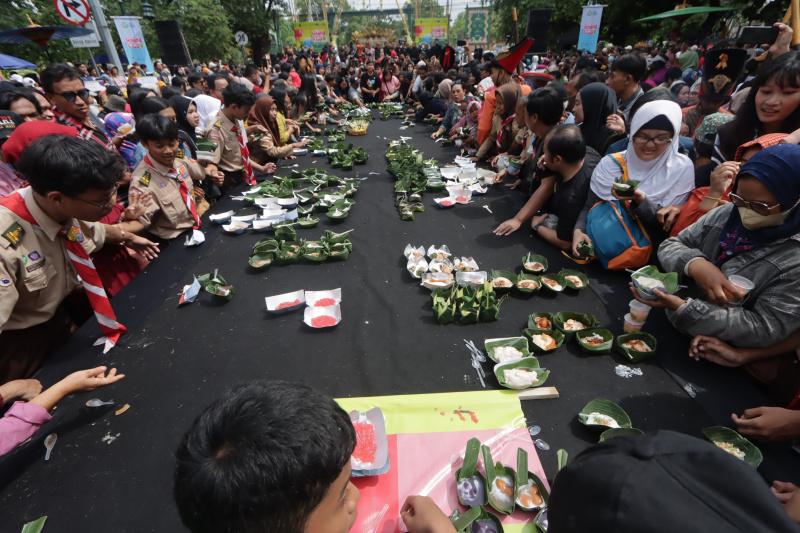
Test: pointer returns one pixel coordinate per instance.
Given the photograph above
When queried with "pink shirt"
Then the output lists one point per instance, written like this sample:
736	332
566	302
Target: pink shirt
9	182
19	423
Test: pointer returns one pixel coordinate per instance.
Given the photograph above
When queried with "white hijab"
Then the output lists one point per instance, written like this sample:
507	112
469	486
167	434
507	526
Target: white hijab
667	180
207	108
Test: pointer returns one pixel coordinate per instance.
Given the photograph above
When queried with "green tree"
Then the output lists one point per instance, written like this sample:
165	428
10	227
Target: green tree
205	37
458	29
255	18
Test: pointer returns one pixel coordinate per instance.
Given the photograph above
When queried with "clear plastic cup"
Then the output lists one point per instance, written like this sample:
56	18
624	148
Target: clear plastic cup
639	311
744	285
631	325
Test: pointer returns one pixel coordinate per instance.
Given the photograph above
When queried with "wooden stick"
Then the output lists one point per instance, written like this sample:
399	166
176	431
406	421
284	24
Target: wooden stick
538	393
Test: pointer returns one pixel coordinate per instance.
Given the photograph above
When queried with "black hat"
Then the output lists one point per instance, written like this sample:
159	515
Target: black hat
721	68
662	482
8	123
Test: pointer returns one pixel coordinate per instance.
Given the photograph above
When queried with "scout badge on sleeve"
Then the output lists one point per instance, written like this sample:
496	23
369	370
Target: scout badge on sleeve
13	234
145	179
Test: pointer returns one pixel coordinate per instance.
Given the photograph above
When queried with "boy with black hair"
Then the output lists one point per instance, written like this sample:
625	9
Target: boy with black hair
543	110
624	77
47	231
231	155
275	456
370	84
566	154
169	179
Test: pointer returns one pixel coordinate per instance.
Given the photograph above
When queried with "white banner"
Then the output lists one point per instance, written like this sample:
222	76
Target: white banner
590	28
130	33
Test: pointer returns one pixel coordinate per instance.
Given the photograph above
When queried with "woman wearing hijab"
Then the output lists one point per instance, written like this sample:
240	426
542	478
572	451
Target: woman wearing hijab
268	148
454	98
469	120
681	92
666	176
115	121
757	237
593	104
504	127
188	119
207	108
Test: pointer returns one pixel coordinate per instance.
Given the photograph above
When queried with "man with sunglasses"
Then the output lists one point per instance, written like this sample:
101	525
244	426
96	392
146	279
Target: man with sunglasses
64	88
46	232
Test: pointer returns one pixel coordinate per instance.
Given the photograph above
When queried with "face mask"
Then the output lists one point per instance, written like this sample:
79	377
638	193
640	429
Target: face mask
753	220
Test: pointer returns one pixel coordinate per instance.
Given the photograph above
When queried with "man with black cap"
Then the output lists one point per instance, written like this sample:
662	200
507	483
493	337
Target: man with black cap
721	69
664	482
501	68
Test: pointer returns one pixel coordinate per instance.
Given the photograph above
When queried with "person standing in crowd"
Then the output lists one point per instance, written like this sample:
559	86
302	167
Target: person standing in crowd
226	132
217	85
624	77
63	86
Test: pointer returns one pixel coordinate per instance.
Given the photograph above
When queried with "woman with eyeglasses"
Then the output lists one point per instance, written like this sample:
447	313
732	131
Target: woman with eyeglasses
666	176
756	237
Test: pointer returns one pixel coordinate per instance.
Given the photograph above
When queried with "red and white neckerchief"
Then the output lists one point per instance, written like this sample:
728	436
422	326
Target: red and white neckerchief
186	192
506	122
238	129
85	132
73	238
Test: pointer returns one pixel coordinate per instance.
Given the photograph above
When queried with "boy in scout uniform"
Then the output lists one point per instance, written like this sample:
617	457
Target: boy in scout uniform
225	133
40	228
168	177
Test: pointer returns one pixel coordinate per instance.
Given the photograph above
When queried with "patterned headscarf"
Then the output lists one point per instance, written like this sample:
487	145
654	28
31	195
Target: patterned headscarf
114	121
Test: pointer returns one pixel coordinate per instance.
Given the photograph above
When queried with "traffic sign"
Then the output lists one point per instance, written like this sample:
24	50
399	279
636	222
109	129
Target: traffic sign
241	38
87	41
73	11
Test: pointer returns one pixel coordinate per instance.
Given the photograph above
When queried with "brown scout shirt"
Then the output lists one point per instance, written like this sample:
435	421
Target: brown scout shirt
36	274
167	216
228	155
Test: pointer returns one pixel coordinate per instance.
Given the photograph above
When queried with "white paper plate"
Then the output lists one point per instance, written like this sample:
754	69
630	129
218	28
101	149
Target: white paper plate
313	296
274	301
374	417
312	312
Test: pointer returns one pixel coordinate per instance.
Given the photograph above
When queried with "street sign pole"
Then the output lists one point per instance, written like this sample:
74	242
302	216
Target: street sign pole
104	34
242	40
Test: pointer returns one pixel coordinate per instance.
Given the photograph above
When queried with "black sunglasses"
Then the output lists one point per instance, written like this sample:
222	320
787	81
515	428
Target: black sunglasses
70	96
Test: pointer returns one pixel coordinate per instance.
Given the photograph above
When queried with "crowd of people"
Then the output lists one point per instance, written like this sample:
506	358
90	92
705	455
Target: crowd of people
707	139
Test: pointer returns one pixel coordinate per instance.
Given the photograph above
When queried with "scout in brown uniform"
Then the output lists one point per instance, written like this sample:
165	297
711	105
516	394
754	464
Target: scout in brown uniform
228	155
72	185
168	179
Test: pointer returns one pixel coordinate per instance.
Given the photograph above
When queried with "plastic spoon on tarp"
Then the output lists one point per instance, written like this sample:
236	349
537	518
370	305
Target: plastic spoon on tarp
97	402
49	442
373	528
476	360
481	357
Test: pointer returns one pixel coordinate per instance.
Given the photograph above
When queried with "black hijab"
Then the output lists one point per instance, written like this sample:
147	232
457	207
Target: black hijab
181	105
598	101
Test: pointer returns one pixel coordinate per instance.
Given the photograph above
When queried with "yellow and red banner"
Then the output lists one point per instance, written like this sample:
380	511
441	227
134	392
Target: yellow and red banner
426	30
311	33
425	432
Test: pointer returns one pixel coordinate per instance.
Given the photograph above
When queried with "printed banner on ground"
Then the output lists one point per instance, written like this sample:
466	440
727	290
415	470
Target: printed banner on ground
590	28
130	33
478	22
425	432
311	33
426	30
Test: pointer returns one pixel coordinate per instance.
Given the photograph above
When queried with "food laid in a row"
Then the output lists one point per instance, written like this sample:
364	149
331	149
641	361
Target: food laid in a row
287	248
413	177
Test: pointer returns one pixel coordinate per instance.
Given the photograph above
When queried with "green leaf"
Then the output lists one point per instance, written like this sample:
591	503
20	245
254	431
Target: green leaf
561	457
633	355
720	434
34	527
604	407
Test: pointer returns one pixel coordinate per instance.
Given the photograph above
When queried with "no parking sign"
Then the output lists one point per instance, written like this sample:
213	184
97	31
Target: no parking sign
73	11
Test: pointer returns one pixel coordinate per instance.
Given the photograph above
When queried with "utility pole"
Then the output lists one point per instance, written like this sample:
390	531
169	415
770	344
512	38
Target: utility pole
104	34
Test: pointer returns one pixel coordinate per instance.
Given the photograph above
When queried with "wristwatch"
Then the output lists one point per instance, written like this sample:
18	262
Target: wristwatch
536	228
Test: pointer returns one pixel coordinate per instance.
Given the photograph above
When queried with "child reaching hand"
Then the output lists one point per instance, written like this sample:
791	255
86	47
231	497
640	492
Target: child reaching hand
24	419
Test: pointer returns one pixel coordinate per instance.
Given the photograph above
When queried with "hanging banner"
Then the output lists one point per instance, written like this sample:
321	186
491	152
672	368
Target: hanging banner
590	28
478	22
311	33
130	33
426	30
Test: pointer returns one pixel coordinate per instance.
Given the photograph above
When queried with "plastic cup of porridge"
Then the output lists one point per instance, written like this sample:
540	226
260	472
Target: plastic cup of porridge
744	285
631	325
639	311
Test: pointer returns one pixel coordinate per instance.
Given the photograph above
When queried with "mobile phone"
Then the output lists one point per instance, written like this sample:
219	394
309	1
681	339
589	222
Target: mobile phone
461	43
758	35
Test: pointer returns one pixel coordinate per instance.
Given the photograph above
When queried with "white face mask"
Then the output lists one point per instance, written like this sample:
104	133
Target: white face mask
753	220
